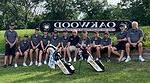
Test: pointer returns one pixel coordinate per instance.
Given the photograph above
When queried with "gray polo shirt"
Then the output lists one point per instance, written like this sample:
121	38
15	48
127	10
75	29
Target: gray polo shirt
121	35
45	39
55	40
35	39
95	41
64	40
85	41
24	44
11	36
106	41
134	35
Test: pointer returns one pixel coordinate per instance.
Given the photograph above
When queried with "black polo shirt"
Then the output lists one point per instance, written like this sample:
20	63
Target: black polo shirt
74	40
121	35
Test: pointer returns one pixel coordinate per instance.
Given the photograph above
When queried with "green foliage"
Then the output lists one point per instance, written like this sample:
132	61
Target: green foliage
132	72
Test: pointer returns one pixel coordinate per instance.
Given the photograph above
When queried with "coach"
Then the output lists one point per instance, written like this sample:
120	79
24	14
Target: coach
135	37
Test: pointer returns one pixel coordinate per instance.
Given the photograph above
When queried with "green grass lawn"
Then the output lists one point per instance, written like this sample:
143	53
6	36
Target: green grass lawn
132	72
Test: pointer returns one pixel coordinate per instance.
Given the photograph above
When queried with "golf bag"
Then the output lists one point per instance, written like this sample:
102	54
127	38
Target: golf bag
55	59
97	65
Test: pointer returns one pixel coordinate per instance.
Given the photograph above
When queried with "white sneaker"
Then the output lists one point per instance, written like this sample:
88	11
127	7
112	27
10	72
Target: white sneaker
128	59
39	64
74	60
36	63
70	60
16	65
141	59
24	64
31	63
97	59
123	59
45	62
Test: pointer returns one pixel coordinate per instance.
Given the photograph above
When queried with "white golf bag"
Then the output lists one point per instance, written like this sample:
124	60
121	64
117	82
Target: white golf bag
97	65
55	59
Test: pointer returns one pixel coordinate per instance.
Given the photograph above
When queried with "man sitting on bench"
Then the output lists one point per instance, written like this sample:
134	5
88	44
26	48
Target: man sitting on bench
135	37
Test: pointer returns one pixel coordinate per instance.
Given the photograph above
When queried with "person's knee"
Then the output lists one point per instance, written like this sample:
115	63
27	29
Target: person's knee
127	45
17	53
97	48
140	45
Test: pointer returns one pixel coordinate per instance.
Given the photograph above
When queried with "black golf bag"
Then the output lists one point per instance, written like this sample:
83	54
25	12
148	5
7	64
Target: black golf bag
97	65
67	68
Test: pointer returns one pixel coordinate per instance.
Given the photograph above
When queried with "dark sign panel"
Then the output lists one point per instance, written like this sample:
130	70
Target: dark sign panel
112	26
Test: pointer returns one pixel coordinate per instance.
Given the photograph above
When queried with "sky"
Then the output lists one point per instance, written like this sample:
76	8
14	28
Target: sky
113	2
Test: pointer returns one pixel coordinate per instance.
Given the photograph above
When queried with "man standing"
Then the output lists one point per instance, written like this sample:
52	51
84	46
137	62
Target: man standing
72	43
35	46
11	38
135	37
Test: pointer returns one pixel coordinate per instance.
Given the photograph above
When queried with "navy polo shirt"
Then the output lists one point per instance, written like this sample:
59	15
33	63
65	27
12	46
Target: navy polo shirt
74	40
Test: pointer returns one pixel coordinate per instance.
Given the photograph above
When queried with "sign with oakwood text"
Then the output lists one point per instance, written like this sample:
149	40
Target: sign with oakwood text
112	26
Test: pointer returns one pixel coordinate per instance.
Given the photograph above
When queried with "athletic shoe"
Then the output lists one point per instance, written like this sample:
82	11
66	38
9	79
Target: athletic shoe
141	59
74	60
128	59
123	59
70	60
10	65
39	64
36	63
97	59
45	62
16	65
31	63
4	66
108	59
24	64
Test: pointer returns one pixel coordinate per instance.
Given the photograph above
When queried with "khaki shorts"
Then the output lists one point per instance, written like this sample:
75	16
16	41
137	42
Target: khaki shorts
72	48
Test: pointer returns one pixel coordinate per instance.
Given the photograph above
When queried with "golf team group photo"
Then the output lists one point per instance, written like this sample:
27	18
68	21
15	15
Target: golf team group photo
44	47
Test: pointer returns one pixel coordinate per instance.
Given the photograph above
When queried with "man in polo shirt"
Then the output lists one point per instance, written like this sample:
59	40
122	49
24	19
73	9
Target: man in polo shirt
35	46
135	38
84	42
122	40
64	41
95	44
106	45
11	38
55	39
45	41
72	43
23	50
